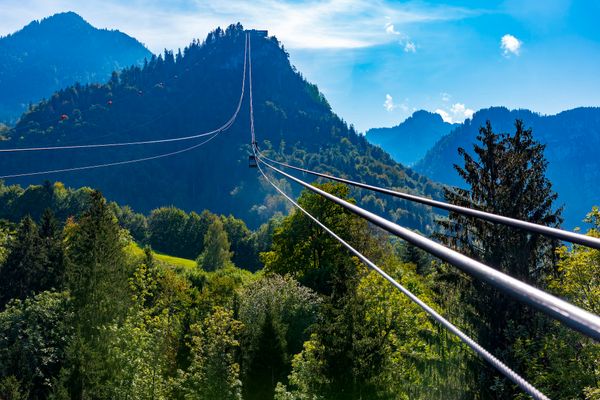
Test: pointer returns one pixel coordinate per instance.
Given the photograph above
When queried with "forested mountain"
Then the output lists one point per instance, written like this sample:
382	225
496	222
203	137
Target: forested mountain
56	52
408	141
571	138
196	91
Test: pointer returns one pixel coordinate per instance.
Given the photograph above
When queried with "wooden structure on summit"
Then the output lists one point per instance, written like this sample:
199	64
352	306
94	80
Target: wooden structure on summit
258	32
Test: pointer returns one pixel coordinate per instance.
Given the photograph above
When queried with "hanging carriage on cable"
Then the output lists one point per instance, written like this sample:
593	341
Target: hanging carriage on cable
252	161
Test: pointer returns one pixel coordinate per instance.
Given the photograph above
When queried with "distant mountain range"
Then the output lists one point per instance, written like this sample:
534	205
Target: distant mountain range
572	139
196	91
56	52
409	141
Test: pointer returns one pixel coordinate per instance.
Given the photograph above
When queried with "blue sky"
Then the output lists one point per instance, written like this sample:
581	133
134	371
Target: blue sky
378	61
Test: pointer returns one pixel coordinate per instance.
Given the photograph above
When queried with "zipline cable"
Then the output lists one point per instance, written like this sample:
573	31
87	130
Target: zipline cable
112	164
144	142
482	352
556	233
573	316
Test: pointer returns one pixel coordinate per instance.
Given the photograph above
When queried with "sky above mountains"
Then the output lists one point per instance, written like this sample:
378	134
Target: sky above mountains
377	61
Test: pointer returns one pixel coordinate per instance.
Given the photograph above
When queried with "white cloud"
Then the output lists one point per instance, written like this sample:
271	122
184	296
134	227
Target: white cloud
390	29
410	47
306	24
388	104
510	45
444	114
457	113
445	97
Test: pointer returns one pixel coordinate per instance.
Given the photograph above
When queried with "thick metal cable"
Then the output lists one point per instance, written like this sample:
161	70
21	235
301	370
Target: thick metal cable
143	142
556	233
483	353
573	316
250	87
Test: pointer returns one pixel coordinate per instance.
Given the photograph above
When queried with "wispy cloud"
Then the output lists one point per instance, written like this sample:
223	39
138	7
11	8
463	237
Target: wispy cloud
510	45
388	104
299	24
409	46
390	29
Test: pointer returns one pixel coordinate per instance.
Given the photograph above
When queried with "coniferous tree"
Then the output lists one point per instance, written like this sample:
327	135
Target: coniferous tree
97	270
506	178
51	235
98	281
268	366
23	271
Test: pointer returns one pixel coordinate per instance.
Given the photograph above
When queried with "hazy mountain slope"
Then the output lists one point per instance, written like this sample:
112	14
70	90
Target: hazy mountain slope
408	141
572	138
56	52
196	91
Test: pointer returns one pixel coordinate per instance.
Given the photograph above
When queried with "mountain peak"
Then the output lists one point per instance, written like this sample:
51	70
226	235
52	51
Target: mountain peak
58	51
408	141
424	115
67	16
68	20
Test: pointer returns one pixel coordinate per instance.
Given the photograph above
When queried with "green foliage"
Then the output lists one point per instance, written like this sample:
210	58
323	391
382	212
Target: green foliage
166	230
564	364
97	277
220	287
6	232
16	202
141	325
213	373
52	238
139	347
242	241
507	178
97	273
216	254
24	265
34	334
390	348
135	223
10	389
276	312
579	271
302	249
33	263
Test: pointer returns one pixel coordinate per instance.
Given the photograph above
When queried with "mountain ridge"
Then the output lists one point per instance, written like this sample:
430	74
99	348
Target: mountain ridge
408	141
58	51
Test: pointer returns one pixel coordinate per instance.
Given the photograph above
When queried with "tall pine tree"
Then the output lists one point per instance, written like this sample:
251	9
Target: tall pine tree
98	280
22	274
507	177
51	236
